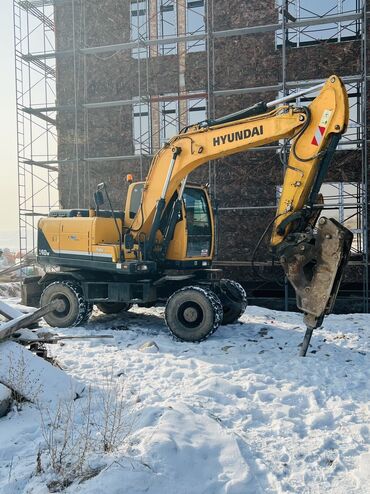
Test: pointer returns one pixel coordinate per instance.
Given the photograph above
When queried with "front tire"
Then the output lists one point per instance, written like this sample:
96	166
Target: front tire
233	299
113	307
193	313
73	311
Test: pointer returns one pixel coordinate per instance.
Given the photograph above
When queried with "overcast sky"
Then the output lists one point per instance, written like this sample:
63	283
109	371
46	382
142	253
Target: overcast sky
8	133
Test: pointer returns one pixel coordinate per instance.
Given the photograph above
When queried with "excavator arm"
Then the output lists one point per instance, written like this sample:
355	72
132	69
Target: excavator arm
313	261
313	131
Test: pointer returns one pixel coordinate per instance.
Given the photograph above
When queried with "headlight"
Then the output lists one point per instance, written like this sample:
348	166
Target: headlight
142	267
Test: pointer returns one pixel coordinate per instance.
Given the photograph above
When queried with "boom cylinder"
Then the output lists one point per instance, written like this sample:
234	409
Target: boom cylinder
290	97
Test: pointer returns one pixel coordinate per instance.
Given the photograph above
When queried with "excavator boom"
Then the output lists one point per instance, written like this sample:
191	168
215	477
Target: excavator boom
313	261
313	132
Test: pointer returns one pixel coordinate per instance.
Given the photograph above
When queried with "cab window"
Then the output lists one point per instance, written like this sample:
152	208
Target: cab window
136	195
198	223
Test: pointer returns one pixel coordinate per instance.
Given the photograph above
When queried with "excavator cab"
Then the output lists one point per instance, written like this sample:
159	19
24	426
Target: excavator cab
191	244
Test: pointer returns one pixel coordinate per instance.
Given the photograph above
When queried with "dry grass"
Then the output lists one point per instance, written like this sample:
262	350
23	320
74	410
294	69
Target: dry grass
100	423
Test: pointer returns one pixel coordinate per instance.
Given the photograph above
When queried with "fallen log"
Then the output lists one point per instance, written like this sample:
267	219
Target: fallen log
10	327
8	311
31	337
23	372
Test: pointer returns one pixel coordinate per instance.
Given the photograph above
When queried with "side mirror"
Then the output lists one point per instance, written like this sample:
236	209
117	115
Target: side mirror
98	198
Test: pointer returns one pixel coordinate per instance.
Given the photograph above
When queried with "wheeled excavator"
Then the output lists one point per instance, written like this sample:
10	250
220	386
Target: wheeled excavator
160	248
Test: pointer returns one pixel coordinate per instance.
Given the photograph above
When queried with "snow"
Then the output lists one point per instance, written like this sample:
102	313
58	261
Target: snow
25	373
238	413
4	393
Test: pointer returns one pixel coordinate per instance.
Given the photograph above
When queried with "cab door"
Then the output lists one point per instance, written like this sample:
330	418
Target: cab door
193	239
199	223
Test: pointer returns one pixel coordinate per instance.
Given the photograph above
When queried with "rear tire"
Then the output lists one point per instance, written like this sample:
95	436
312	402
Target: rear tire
233	299
113	307
74	311
193	313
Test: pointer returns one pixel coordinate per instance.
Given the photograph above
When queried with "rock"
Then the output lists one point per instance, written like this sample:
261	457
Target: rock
149	347
45	334
5	400
227	348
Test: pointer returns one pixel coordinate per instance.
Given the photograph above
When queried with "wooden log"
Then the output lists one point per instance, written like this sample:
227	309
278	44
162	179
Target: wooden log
26	336
10	327
9	312
34	378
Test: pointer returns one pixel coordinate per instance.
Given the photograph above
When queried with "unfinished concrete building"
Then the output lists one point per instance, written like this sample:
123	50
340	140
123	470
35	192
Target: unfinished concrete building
120	77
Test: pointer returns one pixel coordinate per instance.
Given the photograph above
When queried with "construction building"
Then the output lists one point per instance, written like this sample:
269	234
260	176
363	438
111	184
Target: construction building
103	84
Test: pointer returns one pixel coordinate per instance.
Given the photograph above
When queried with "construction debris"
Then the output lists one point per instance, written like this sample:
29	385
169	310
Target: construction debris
26	337
24	320
24	373
13	271
34	378
9	312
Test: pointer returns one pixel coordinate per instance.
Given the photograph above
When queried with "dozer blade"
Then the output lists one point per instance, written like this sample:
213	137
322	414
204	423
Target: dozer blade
315	268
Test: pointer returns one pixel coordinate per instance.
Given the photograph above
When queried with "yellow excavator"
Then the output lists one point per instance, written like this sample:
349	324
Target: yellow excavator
160	248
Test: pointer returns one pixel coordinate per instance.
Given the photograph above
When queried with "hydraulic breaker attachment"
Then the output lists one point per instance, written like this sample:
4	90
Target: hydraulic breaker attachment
314	263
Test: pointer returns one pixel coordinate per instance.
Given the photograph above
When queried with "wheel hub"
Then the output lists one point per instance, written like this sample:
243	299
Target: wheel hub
60	305
190	314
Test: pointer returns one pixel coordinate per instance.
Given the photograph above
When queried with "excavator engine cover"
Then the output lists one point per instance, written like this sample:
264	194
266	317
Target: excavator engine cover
315	266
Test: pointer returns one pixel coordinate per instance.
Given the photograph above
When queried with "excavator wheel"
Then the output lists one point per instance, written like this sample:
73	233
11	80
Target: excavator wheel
193	313
113	307
233	299
74	311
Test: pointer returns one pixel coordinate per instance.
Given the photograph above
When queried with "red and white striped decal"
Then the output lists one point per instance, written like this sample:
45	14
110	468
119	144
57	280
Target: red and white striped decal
320	131
319	134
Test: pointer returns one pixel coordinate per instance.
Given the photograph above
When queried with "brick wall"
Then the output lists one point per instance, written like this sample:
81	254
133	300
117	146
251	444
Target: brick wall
248	179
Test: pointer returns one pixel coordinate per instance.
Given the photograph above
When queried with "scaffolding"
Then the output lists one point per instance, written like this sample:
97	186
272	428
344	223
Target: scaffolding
35	98
159	28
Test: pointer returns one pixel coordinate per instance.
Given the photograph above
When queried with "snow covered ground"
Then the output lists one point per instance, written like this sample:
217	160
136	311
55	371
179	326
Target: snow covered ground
239	413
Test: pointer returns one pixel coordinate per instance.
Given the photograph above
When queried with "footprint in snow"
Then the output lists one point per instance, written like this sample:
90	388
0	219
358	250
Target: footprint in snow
265	396
297	400
322	420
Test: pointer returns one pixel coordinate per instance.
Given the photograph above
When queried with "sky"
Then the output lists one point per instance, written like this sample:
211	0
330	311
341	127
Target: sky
8	132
